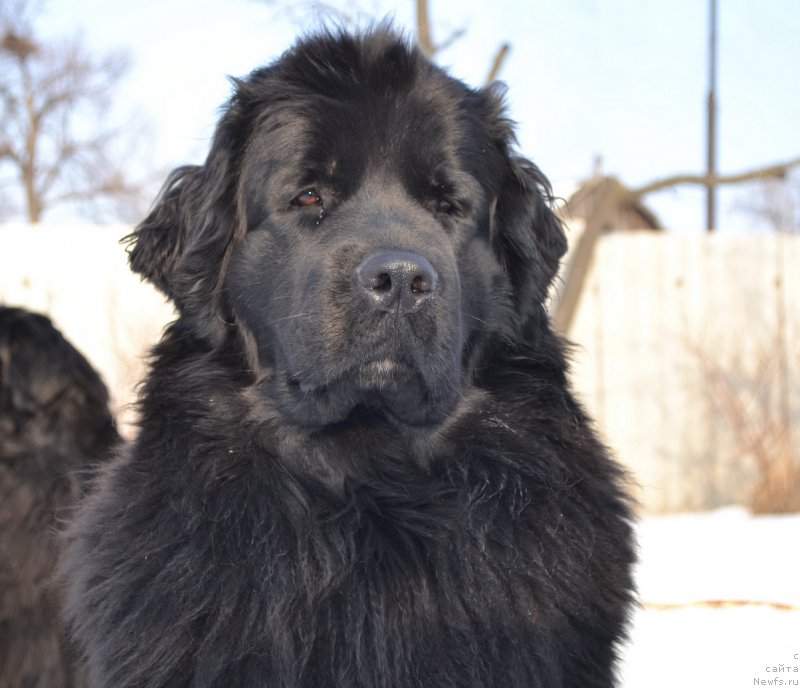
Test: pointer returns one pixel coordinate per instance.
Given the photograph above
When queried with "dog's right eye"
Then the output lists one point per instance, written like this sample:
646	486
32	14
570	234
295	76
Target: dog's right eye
307	198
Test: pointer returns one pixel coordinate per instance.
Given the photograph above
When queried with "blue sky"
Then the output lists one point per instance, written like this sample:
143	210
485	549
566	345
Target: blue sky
621	79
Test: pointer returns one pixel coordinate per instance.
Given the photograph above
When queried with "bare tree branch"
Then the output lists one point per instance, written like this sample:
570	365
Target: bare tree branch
497	63
54	100
424	30
455	35
771	171
744	392
777	201
424	37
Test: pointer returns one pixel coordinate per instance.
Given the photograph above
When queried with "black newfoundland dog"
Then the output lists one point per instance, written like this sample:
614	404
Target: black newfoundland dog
359	462
54	425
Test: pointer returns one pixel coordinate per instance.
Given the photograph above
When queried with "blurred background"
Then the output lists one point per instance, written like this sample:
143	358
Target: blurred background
671	133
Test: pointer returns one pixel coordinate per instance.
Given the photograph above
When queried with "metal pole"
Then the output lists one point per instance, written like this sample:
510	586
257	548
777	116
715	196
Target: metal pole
711	168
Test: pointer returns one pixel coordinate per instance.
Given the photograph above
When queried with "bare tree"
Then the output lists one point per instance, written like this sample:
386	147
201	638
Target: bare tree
749	393
323	9
776	202
778	209
54	102
774	171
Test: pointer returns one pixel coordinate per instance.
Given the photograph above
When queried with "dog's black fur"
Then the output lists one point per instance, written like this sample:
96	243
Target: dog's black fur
333	486
55	424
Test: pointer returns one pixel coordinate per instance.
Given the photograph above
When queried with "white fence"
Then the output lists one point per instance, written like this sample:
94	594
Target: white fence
660	317
689	358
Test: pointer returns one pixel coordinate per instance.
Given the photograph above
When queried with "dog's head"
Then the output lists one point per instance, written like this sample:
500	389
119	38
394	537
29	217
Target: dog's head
51	399
364	224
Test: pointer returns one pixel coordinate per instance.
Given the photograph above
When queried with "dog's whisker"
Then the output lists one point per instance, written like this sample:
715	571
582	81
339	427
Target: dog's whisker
475	317
288	317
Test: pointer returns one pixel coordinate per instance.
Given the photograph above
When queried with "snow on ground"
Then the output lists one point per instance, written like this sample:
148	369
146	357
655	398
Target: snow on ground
678	640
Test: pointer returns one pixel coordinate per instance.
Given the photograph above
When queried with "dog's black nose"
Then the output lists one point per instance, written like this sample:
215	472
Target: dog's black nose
392	278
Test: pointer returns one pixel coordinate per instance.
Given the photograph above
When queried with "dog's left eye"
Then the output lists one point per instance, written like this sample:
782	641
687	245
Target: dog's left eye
442	205
307	198
440	200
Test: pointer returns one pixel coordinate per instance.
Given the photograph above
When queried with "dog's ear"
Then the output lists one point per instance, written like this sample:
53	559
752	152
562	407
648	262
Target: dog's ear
182	246
527	234
157	244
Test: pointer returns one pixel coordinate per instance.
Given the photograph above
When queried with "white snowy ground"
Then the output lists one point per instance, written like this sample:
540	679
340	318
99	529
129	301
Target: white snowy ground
721	556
